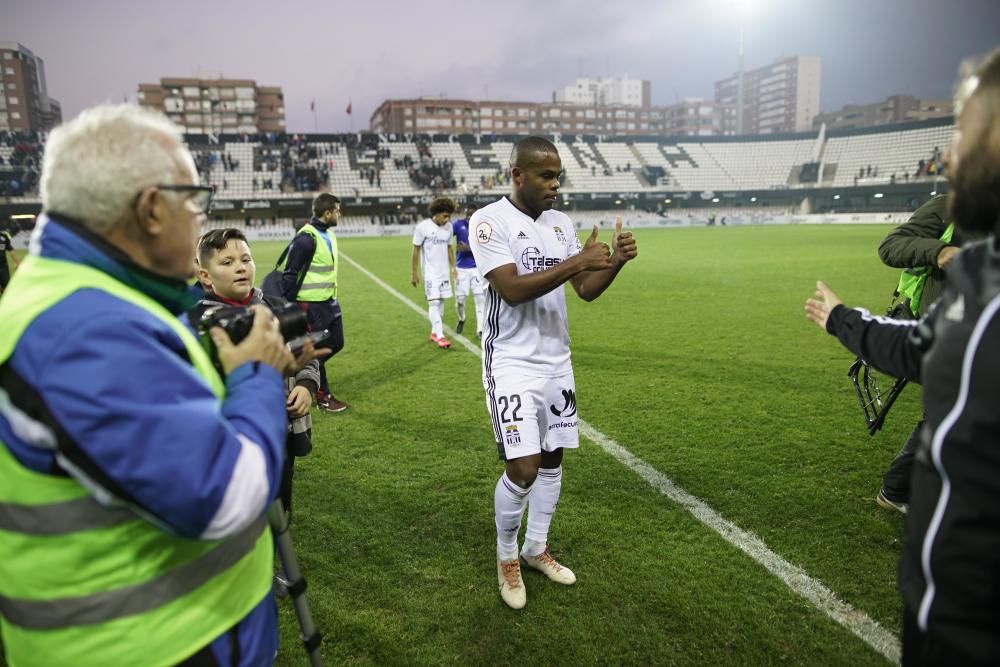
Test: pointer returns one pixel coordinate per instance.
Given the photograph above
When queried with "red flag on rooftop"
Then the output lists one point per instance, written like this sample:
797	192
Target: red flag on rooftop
349	104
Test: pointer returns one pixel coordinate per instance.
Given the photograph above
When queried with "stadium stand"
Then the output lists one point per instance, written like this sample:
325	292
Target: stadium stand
892	156
386	166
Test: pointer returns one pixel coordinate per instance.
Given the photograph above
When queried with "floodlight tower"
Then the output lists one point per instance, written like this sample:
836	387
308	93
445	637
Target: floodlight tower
742	7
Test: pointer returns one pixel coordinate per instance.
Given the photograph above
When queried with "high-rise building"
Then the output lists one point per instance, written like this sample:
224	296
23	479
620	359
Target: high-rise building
696	117
780	97
24	98
894	109
605	92
216	106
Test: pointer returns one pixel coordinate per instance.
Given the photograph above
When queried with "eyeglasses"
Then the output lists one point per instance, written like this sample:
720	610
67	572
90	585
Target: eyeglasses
200	198
201	195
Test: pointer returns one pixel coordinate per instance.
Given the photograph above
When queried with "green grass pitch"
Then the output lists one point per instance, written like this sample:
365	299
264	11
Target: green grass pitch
700	361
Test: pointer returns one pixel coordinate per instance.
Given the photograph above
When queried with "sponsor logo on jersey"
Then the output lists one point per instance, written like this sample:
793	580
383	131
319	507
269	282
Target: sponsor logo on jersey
484	232
533	260
522	235
569	405
511	435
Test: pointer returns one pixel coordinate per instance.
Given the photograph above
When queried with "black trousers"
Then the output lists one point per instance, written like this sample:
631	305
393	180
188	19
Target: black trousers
926	650
896	480
4	273
326	315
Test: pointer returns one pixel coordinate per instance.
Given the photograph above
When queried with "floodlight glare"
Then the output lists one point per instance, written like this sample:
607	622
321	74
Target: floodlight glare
836	196
879	195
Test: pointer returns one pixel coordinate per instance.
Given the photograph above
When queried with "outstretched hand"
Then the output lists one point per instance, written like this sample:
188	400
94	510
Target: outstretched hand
623	246
818	310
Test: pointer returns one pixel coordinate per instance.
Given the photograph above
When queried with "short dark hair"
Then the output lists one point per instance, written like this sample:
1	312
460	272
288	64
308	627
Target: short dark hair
442	205
530	145
324	202
215	240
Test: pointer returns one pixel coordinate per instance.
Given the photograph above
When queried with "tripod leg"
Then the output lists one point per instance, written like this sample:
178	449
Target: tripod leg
311	637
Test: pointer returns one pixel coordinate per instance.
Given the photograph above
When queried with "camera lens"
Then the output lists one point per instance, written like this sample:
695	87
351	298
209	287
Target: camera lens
292	322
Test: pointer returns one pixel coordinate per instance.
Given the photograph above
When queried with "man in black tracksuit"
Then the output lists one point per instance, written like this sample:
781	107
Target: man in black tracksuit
949	575
917	244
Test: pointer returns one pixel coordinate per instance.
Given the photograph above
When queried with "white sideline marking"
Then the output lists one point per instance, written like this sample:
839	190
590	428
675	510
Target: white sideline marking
797	579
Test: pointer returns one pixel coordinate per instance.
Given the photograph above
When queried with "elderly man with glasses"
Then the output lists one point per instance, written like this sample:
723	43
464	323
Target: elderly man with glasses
134	477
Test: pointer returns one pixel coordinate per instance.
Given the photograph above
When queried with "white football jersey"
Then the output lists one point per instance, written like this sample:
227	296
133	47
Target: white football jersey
532	338
434	242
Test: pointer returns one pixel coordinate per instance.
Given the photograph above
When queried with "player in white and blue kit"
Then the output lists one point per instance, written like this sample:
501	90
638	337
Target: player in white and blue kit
527	252
468	278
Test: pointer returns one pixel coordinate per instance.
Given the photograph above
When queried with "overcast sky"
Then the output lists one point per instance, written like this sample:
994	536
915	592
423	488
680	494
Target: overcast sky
364	52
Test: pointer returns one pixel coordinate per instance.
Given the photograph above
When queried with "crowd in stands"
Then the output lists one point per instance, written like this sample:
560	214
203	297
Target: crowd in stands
926	168
491	181
429	173
21	168
932	166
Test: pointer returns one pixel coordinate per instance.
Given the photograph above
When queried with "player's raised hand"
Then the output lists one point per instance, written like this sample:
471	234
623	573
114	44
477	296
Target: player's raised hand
623	246
596	256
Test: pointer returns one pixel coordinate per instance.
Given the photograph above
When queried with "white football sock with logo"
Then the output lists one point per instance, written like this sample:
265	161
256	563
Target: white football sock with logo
460	307
509	501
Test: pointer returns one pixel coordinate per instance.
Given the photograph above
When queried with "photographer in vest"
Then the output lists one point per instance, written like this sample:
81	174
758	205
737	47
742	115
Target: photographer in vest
309	278
134	478
925	244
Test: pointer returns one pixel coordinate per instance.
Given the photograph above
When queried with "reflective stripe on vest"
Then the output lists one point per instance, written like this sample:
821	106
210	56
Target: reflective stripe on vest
320	281
88	585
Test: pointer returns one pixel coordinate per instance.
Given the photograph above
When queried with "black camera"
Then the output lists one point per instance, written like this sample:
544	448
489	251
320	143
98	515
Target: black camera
237	321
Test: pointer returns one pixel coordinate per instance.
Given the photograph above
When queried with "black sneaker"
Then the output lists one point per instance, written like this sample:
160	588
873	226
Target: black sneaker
884	502
459	326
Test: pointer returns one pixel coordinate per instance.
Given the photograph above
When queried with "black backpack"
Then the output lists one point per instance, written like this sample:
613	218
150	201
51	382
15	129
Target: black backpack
271	285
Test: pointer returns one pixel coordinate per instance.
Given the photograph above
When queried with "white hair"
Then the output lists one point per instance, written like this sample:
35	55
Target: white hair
95	165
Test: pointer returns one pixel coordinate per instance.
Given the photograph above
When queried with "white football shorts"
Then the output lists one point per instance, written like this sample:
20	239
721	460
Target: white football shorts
469	281
439	288
531	415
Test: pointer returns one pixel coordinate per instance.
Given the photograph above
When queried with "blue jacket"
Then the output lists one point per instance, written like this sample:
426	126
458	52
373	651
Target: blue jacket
116	380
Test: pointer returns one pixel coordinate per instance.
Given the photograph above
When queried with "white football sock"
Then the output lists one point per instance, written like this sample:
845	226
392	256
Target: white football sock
434	313
509	501
541	507
460	307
